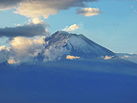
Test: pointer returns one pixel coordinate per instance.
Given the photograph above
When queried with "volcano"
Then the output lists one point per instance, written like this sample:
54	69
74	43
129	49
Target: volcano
62	43
70	69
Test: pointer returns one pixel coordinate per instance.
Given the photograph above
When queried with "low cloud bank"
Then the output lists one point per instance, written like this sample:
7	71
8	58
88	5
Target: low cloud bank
27	30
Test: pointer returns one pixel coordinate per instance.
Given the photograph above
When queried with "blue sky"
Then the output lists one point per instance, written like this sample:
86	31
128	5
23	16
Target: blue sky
114	28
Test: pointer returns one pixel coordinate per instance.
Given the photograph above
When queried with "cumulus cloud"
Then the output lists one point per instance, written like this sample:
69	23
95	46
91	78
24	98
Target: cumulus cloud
36	21
72	57
3	48
25	48
108	57
45	8
53	53
22	49
12	61
4	53
27	30
88	11
72	27
41	8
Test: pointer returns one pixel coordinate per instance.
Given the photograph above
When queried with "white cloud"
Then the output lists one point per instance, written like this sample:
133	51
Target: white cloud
41	8
37	21
23	44
125	56
35	9
22	49
53	53
72	27
4	48
45	8
25	49
88	11
72	57
12	61
108	57
4	53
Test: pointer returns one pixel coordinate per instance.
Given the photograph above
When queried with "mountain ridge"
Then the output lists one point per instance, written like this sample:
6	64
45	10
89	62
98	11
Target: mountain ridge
64	50
129	57
76	45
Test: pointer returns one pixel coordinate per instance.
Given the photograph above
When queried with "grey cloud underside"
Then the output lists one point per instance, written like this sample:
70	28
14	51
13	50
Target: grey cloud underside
60	4
9	3
25	30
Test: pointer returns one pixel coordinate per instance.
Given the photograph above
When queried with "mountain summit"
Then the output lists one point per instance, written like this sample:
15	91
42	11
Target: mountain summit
61	47
62	43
